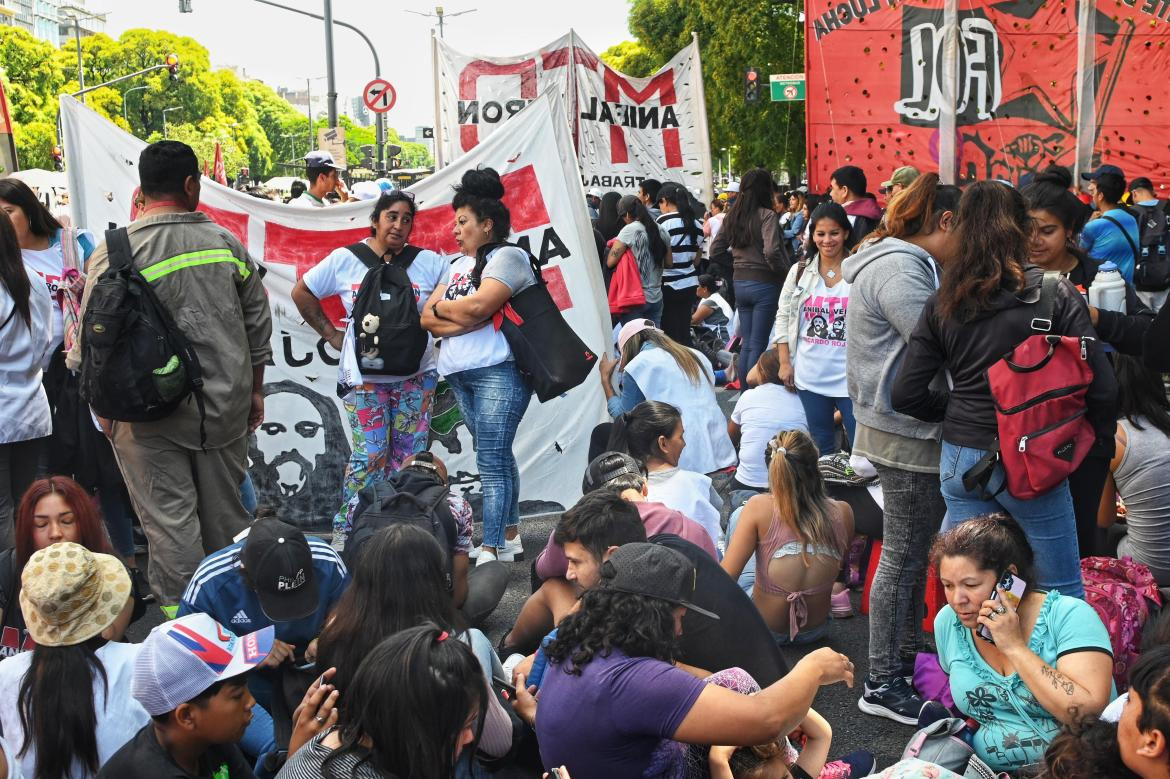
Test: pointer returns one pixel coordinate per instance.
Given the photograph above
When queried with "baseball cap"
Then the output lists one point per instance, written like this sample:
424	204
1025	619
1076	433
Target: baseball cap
733	187
654	571
1094	174
595	192
279	565
366	190
320	159
1141	182
903	176
606	467
632	328
182	658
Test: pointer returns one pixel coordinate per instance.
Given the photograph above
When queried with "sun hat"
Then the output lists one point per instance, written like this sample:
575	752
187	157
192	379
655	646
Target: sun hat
632	328
182	658
68	594
654	571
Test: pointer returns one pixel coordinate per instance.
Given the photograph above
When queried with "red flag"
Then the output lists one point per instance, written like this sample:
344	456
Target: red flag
219	173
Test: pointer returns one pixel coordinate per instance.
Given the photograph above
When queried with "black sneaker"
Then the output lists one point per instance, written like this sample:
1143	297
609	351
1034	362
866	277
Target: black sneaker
895	700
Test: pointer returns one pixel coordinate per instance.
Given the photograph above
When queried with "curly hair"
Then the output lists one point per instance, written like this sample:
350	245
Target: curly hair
608	620
1086	750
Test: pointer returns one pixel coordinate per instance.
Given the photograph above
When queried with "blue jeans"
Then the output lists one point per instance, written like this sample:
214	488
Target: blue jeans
1048	521
818	410
492	401
756	302
651	311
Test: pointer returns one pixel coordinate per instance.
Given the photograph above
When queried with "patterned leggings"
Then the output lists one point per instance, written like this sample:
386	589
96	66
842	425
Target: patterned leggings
388	422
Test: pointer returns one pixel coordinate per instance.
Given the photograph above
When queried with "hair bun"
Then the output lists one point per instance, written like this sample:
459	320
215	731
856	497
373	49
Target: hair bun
1055	174
481	182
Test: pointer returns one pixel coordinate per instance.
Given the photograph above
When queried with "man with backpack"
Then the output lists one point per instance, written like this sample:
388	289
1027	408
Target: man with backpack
419	494
1152	274
174	338
1112	235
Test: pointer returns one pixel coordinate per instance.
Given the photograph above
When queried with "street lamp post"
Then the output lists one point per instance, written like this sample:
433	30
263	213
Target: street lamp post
722	149
164	116
126	102
440	14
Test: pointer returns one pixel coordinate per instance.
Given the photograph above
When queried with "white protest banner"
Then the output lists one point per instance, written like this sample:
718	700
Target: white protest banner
626	129
299	453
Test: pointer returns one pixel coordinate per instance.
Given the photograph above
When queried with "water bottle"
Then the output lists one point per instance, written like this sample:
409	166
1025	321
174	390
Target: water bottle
1107	292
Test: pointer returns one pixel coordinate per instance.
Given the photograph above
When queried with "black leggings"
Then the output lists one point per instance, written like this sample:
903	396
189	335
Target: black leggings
1086	485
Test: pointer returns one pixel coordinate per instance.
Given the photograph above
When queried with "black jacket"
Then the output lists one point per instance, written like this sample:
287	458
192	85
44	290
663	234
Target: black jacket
966	350
1124	332
1156	352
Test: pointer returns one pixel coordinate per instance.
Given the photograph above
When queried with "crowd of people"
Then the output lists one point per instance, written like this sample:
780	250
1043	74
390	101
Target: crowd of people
860	348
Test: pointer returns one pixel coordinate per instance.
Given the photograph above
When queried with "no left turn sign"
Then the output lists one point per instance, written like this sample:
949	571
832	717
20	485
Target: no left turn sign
379	96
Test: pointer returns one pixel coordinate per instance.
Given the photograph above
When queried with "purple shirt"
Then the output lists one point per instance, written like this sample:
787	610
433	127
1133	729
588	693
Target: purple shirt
607	722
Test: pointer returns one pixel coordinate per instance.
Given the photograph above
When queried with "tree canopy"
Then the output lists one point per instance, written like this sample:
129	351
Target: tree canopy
256	127
733	37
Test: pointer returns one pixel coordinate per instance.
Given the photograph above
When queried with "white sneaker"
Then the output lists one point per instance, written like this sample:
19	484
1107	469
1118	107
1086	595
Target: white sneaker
483	556
512	551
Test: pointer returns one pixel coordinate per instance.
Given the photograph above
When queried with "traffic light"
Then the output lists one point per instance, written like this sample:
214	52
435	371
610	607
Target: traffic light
58	158
368	156
172	63
184	6
751	85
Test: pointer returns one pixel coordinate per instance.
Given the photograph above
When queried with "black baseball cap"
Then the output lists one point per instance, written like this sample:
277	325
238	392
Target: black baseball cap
1095	174
654	571
279	566
606	467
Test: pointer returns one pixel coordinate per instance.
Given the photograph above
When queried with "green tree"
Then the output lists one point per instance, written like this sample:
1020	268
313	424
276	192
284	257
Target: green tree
631	58
31	76
34	144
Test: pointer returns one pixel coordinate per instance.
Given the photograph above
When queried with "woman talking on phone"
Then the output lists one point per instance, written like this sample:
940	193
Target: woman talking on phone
1021	668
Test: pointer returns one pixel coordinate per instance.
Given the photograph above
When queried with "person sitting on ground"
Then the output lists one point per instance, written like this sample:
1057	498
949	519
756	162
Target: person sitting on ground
53	510
1143	733
1088	749
1049	660
760	413
191	677
275	576
399	583
475	591
1140	469
653	435
712	315
656	368
66	705
799	537
414	707
612	696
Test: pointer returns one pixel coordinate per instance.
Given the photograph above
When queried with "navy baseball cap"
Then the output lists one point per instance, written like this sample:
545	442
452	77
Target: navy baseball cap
1095	174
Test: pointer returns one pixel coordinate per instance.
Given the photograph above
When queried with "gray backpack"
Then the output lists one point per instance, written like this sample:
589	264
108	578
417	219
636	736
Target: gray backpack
940	744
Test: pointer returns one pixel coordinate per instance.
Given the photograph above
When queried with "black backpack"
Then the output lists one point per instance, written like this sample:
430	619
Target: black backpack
136	365
387	334
412	496
1152	270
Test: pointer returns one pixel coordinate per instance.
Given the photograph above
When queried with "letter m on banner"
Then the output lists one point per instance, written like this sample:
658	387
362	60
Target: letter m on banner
661	85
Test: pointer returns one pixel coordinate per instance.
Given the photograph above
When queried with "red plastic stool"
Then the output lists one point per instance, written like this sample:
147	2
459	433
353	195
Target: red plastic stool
875	553
936	598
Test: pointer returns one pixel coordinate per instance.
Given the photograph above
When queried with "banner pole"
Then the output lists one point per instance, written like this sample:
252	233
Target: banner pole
440	162
947	152
704	132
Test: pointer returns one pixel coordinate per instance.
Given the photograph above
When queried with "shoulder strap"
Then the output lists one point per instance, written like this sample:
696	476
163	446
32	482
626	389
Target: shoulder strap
1042	322
363	252
406	257
69	248
487	249
118	247
1132	246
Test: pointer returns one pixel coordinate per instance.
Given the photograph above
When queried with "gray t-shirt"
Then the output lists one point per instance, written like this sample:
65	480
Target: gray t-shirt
509	265
634	236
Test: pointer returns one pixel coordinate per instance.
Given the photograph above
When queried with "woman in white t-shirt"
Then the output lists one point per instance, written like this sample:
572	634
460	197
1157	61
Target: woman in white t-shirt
474	356
73	688
760	413
809	332
389	416
650	244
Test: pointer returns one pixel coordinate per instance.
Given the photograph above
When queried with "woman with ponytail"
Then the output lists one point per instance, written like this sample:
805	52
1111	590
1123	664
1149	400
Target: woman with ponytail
891	276
26	337
475	357
985	307
1057	218
650	245
799	537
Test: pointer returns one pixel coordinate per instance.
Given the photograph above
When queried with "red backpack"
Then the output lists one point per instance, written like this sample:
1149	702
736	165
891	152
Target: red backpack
1039	393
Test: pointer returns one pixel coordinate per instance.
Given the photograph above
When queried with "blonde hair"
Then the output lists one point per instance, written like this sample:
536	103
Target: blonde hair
798	491
687	362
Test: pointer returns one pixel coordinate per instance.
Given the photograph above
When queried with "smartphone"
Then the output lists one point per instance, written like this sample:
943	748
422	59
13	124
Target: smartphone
1014	587
554	773
508	689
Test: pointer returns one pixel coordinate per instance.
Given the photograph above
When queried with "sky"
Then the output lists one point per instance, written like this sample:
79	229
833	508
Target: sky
283	49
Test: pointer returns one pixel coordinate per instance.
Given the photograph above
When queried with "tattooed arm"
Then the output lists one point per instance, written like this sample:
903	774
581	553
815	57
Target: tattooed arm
1080	684
310	308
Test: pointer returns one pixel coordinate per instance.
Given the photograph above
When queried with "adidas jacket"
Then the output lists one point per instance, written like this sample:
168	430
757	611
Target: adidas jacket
218	589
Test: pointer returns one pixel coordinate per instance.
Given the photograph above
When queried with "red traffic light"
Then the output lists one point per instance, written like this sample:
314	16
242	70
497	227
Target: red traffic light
58	153
752	75
172	62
